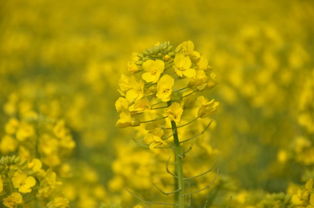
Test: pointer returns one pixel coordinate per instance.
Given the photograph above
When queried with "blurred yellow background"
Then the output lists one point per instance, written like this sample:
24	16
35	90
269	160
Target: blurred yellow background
60	63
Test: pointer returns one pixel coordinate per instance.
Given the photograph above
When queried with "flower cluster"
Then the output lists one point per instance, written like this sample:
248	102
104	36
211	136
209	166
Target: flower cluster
32	148
165	84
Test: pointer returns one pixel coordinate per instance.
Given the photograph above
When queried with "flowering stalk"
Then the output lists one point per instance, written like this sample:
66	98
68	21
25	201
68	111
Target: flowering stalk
179	177
160	97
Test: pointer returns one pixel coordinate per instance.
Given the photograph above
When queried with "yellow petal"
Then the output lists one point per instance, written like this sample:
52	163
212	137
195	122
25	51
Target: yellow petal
164	87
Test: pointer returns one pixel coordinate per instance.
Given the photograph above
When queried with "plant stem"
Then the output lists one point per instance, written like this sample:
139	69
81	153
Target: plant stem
179	178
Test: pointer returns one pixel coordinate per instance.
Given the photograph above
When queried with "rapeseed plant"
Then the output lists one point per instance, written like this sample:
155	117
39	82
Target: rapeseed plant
162	95
60	65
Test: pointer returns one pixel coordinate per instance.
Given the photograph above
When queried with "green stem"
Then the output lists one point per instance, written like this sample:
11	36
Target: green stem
179	178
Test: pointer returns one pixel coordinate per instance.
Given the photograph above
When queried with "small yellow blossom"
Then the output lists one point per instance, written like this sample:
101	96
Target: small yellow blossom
282	156
116	183
206	107
24	131
132	67
60	130
164	88
174	112
12	126
153	70
202	63
199	81
121	104
12	200
126	120
140	106
35	165
187	48
131	88
8	144
23	182
48	184
183	65
136	92
58	202
154	136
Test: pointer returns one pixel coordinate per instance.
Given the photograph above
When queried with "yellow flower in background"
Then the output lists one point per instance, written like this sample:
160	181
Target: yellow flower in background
23	182
187	48
202	63
153	70
174	112
206	107
24	131
8	144
68	70
165	87
12	126
182	66
13	200
60	129
35	165
58	202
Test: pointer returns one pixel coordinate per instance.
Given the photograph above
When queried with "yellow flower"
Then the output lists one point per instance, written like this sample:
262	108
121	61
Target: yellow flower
174	112
206	107
116	183
282	156
8	144
154	136
121	104
153	70
60	130
199	81
187	48
24	131
58	202
183	65
132	67
12	200
202	63
48	184
136	92
11	126
131	88
140	106
35	165
23	182
126	120
164	88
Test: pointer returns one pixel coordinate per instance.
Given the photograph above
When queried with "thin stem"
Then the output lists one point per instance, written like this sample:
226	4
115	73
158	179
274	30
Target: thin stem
179	179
